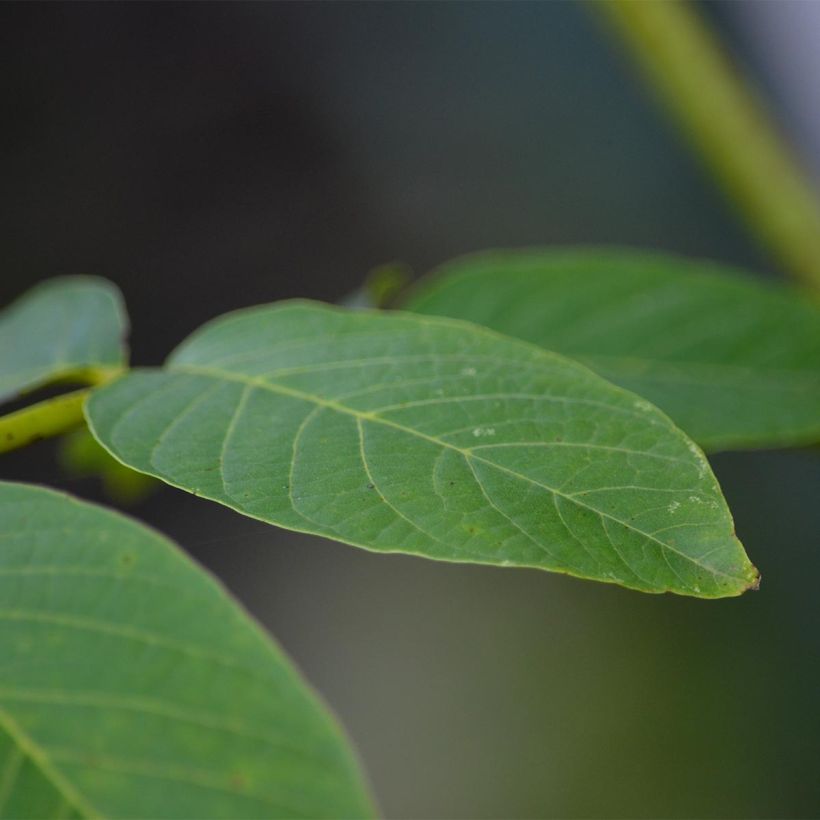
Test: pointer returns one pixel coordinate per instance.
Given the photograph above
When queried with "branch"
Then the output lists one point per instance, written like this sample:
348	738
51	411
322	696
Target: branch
42	420
729	125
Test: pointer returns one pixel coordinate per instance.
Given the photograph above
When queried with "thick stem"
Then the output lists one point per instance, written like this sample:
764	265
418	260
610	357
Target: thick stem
727	123
51	417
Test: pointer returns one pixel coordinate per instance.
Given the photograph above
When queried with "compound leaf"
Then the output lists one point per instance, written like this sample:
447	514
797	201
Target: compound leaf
403	433
69	327
133	685
735	362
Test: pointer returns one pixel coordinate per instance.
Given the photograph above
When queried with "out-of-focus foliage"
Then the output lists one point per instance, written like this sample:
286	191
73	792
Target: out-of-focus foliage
134	686
80	455
735	362
65	328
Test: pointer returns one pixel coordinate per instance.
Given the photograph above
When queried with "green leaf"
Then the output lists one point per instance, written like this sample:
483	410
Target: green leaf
66	328
735	362
134	686
401	433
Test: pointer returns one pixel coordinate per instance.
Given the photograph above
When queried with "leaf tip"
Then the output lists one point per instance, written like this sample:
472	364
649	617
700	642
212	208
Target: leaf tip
754	583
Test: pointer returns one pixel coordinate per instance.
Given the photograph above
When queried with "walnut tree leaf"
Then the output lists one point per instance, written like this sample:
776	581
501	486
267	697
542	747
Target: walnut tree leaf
402	433
68	327
133	685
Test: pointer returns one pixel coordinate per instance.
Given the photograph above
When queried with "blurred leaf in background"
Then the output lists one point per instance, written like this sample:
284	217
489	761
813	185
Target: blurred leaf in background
80	456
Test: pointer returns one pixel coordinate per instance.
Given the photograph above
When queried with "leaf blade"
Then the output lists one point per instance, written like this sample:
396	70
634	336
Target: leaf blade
149	722
369	428
62	327
733	361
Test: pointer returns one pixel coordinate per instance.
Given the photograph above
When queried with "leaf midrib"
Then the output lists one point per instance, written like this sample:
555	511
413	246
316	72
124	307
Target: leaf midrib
38	756
467	453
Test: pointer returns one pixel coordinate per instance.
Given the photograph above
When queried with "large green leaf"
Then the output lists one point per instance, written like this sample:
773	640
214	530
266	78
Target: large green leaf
402	433
733	361
65	327
132	685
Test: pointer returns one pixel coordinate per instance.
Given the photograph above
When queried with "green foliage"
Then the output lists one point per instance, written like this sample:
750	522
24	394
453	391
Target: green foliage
397	432
381	287
71	328
735	362
133	685
81	456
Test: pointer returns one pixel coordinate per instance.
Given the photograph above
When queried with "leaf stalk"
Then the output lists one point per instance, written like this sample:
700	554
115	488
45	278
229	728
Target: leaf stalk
51	417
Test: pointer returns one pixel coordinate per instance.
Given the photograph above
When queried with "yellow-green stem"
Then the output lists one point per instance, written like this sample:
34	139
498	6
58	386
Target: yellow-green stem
51	417
729	125
90	375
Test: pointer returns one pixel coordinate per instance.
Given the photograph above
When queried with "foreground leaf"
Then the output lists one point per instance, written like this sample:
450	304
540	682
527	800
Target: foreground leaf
734	362
402	433
71	327
133	685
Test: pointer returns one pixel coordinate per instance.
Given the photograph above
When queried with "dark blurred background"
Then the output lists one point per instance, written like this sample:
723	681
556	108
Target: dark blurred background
211	156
